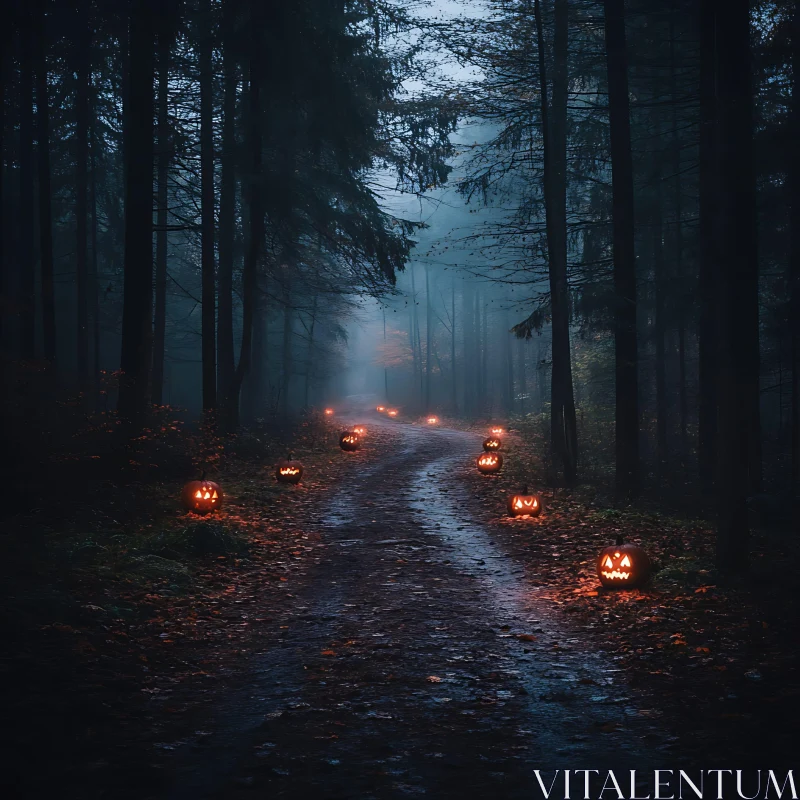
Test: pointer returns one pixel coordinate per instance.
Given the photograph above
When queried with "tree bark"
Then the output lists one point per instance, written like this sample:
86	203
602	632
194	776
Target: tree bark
162	216
563	428
737	273
794	260
707	330
227	209
255	211
310	353
138	269
660	278
453	376
625	334
27	264
207	221
83	77
45	203
428	334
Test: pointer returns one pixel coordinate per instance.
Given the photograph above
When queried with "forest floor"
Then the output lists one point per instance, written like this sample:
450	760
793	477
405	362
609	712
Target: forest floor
383	629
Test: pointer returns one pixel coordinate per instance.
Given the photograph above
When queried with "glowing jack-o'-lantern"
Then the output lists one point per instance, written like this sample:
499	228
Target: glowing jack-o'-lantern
289	470
433	420
524	504
623	566
328	412
360	430
489	463
392	412
492	443
497	431
381	409
201	496
349	441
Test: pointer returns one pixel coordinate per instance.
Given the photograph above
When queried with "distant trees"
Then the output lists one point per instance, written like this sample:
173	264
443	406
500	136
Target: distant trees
267	122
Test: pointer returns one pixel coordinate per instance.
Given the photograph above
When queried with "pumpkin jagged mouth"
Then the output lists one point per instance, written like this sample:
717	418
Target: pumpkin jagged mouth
289	471
616	575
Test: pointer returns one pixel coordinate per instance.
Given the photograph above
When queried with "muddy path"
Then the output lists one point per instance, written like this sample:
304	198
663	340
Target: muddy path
414	660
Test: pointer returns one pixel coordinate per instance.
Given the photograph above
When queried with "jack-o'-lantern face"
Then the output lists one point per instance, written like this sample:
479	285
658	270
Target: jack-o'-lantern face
524	505
433	420
497	431
381	409
288	471
492	444
349	441
360	430
328	412
489	463
623	566
202	496
392	412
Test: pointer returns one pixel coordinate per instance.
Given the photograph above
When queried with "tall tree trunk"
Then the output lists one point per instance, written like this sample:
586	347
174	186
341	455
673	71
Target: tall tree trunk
522	373
794	260
385	367
737	272
94	277
454	375
82	82
27	264
255	211
6	39
162	216
625	334
45	209
707	330
207	222
509	365
138	275
660	279
467	331
310	353
428	334
485	380
563	429
286	361
683	298
227	208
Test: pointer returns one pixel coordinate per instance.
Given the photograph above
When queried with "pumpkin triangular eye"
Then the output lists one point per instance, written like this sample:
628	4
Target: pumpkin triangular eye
198	494
535	502
214	496
518	503
608	563
626	562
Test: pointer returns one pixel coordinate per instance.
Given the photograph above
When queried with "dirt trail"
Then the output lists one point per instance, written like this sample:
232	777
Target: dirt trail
401	670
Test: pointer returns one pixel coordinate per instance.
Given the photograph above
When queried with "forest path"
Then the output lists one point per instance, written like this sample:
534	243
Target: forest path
414	661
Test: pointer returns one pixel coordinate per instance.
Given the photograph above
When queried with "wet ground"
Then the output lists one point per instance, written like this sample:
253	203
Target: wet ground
415	660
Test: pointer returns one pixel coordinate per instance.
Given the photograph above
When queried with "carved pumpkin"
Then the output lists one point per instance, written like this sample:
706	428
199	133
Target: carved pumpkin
392	412
381	409
288	470
360	430
623	566
497	431
524	504
201	496
489	463
328	412
433	420
349	441
492	443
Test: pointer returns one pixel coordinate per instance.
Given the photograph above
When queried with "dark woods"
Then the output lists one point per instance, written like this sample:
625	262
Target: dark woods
195	181
179	174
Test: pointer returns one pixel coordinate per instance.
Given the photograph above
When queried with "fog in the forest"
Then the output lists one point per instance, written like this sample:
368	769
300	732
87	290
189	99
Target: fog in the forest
459	268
